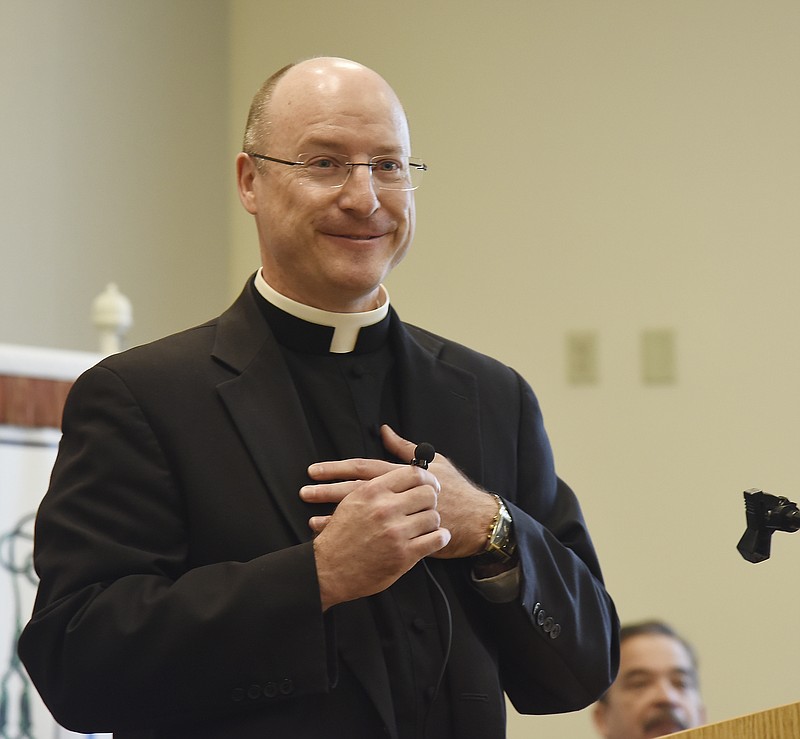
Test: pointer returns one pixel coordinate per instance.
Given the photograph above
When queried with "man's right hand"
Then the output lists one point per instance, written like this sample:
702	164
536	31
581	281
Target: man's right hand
384	523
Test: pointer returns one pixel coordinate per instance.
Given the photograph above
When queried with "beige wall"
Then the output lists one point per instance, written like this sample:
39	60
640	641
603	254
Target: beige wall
605	166
112	165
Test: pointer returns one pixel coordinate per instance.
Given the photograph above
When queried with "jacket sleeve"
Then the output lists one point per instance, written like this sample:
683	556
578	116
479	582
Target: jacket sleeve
558	641
120	611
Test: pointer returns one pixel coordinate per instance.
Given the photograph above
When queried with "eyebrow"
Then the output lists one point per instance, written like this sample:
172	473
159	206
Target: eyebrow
642	672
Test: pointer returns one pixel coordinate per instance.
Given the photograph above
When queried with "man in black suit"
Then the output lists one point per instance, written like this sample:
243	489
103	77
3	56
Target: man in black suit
241	538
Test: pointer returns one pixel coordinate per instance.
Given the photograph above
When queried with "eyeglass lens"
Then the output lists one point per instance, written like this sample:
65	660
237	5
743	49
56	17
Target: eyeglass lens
388	173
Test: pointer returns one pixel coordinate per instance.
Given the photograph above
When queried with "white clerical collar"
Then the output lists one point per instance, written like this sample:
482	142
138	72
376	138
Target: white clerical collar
345	325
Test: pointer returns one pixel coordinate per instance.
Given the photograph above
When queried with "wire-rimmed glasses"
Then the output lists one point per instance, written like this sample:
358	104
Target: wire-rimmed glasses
332	170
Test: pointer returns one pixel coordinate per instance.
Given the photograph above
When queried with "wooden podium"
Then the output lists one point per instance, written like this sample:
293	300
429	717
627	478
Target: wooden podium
776	723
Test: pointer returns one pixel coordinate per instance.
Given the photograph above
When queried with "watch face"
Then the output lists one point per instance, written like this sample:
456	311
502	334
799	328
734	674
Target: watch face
502	538
500	543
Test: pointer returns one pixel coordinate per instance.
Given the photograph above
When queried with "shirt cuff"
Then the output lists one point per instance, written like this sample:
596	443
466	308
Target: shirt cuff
502	588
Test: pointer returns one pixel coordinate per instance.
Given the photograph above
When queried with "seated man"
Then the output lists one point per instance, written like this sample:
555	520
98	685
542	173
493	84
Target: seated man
656	691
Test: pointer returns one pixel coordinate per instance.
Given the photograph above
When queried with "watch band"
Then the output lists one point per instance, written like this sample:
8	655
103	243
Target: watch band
500	541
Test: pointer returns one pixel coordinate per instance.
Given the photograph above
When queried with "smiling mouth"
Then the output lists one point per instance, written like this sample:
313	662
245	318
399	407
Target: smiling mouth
357	237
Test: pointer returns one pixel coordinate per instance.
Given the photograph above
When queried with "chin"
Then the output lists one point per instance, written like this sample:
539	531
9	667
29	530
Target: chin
662	730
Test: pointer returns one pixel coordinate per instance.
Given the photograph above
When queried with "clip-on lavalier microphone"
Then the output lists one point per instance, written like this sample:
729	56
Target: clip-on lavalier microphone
423	455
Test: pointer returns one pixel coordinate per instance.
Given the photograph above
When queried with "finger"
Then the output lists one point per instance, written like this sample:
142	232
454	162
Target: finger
333	492
349	469
417	499
318	523
395	478
423	522
396	444
431	543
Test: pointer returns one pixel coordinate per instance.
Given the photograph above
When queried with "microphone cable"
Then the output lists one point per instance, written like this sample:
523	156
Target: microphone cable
423	455
448	642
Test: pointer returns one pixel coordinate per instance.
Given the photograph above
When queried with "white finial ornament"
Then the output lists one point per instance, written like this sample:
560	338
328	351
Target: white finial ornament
112	316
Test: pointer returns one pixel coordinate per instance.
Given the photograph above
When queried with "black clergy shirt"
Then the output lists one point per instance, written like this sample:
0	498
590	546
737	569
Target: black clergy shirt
346	397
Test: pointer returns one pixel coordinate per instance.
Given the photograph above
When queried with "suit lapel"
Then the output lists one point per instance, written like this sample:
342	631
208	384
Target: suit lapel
264	406
438	401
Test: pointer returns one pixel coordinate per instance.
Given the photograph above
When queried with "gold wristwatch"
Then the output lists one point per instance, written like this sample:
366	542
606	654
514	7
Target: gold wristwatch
500	541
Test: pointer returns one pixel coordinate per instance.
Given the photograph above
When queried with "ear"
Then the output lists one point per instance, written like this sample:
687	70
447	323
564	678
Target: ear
599	717
245	179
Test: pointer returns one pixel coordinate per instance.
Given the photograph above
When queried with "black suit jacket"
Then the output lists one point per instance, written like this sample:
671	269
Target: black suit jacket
178	593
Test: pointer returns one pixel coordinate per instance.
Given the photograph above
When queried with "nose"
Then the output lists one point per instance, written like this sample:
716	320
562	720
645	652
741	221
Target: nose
667	693
358	193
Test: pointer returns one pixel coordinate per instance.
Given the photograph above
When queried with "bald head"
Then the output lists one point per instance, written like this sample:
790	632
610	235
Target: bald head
322	83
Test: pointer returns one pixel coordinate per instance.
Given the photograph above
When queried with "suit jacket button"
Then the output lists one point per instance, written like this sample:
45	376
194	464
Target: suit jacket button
270	690
287	687
254	692
540	617
555	631
548	624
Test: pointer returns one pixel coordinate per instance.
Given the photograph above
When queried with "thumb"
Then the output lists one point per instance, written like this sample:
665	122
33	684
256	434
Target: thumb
395	444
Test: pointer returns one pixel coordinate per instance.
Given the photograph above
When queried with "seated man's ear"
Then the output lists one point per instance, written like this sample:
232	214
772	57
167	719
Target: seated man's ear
599	713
